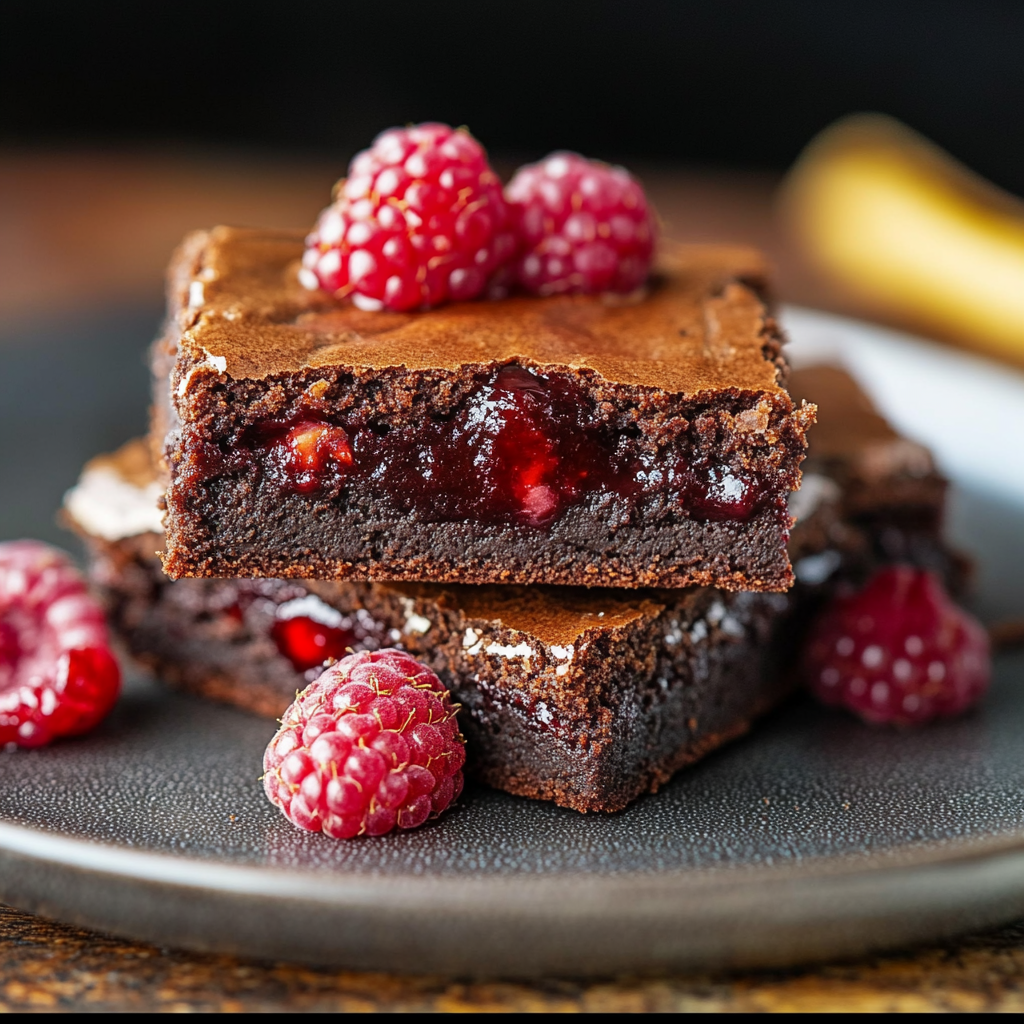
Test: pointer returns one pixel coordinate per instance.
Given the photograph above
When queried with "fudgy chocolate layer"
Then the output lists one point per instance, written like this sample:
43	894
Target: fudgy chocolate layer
682	380
361	541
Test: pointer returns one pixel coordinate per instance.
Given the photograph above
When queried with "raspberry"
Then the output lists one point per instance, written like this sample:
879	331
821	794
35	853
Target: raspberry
583	226
898	651
420	220
57	675
371	745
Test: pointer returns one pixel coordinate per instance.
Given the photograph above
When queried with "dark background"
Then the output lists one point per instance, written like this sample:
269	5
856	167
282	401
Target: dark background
722	82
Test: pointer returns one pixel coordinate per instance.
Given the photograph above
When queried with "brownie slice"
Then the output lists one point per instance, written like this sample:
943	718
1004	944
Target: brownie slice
585	697
869	496
568	440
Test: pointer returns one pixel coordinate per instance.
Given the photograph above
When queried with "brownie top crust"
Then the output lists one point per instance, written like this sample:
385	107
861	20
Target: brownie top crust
850	430
556	616
701	326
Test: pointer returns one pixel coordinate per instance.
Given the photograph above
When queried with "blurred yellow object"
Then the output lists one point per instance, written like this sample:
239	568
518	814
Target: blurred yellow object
906	231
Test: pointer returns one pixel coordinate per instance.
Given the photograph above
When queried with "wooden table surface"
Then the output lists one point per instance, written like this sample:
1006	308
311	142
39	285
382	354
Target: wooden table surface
81	230
46	966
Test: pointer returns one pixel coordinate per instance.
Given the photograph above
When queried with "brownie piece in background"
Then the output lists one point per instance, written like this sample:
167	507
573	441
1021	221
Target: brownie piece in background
569	440
869	495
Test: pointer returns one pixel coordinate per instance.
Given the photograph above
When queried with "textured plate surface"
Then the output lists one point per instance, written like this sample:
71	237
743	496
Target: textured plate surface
814	837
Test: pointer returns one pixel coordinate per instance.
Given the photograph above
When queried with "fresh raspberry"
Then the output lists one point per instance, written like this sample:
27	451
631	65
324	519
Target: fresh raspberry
372	744
583	226
57	675
420	220
898	651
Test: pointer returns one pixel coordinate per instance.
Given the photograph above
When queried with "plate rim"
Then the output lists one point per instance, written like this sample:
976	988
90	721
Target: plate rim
144	865
527	925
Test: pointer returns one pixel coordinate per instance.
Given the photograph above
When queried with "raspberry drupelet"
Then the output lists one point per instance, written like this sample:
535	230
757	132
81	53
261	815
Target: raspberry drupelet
57	675
420	220
899	651
372	745
582	227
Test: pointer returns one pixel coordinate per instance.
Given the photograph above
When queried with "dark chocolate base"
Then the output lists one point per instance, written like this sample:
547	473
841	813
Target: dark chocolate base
615	545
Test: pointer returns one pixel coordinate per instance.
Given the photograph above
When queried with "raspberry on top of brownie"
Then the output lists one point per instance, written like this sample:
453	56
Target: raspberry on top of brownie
574	439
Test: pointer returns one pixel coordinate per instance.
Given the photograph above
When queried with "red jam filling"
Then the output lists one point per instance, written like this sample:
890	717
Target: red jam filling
522	449
309	456
307	643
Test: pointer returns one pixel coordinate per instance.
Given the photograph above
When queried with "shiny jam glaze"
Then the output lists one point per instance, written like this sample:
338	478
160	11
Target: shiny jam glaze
520	450
309	455
307	643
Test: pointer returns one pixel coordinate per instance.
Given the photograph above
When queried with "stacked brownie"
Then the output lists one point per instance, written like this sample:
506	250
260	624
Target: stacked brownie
571	440
588	697
576	512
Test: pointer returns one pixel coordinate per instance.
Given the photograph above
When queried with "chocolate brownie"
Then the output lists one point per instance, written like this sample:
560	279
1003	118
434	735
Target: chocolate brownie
569	440
581	696
869	495
586	697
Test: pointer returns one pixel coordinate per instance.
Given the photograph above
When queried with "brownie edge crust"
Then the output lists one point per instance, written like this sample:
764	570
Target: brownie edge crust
667	443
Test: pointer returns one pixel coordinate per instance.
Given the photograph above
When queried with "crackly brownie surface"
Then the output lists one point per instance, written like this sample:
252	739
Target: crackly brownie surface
567	440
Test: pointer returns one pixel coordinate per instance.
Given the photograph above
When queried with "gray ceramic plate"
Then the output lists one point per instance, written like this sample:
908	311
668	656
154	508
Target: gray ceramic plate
814	837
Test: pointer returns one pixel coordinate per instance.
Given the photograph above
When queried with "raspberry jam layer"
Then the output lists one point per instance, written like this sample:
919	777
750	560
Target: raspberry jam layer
521	450
308	644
